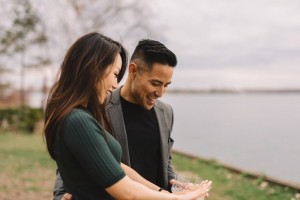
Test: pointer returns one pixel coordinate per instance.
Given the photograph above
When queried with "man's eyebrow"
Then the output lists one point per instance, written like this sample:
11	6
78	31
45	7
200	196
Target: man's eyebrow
155	80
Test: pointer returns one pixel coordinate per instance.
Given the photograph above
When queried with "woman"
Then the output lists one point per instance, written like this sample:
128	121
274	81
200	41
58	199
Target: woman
77	130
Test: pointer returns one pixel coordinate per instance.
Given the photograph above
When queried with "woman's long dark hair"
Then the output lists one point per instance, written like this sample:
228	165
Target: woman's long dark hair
81	70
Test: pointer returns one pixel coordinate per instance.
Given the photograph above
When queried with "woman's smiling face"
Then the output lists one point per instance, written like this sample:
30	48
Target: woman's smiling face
110	80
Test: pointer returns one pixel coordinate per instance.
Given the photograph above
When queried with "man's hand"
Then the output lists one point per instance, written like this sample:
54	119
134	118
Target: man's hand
172	181
67	196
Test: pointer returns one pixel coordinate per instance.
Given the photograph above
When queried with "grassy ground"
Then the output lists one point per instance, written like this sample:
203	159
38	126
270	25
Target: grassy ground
228	185
27	172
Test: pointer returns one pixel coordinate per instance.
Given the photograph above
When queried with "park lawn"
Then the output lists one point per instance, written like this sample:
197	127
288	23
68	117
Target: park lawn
228	185
27	172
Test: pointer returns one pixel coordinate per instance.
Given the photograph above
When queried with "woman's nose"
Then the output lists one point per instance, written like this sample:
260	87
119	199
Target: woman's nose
115	85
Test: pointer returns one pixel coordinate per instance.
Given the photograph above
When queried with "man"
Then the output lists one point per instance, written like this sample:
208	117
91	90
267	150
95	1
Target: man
141	123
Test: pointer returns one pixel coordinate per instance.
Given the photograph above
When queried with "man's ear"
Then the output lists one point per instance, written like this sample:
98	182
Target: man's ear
132	69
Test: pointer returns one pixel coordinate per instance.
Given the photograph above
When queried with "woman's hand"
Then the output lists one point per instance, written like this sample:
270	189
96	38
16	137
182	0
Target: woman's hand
195	191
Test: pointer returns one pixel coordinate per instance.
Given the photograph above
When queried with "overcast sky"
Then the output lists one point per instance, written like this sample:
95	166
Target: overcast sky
219	43
234	43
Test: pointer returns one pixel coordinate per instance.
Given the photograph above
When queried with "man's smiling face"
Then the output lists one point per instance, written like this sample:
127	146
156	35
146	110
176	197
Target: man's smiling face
150	84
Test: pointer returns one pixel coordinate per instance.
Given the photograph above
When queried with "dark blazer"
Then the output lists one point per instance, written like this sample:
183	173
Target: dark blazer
164	114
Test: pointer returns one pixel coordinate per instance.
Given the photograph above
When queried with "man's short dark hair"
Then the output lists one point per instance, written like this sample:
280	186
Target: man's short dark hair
151	51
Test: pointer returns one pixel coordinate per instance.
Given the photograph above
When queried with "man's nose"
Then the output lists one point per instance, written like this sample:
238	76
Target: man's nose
160	91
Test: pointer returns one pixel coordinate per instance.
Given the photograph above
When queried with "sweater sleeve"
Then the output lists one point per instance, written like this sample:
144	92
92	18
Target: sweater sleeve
84	138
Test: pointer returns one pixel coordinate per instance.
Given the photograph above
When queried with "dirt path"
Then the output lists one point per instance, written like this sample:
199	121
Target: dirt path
27	186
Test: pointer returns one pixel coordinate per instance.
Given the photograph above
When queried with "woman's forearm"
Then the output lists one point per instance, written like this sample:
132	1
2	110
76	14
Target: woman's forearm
127	188
132	174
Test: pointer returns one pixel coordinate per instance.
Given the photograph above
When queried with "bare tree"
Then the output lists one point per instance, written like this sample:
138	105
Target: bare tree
36	33
22	40
126	15
121	19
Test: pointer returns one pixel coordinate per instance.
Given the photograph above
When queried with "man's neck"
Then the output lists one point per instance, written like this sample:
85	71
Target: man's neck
125	92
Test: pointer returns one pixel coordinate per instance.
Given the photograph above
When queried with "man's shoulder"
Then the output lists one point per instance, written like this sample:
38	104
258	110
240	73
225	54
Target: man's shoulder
163	105
164	111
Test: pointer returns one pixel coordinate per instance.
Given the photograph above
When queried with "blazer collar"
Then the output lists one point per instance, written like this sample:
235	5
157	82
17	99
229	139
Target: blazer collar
115	96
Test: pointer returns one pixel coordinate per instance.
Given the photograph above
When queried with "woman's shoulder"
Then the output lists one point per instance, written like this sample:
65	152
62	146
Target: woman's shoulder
78	115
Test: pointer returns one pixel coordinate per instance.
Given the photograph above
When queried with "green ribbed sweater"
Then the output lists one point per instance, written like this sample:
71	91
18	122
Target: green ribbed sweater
86	162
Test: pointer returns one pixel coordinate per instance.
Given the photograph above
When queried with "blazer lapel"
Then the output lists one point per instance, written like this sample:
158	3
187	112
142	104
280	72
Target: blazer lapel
114	110
163	139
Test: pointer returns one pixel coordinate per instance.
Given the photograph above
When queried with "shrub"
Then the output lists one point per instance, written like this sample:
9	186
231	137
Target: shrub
21	118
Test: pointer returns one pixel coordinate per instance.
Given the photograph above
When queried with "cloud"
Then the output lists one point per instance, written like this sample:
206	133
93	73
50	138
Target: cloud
233	33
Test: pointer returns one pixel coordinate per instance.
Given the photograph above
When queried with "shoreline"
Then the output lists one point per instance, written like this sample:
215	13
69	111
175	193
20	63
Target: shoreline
235	169
234	91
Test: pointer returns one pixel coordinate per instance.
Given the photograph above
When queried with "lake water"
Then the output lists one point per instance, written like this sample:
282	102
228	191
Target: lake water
255	132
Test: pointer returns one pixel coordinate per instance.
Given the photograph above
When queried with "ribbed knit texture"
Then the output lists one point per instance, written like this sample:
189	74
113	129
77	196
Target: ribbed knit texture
87	163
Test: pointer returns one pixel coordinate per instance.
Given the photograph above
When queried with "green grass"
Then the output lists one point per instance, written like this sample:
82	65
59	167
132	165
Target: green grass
228	185
27	172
